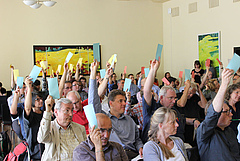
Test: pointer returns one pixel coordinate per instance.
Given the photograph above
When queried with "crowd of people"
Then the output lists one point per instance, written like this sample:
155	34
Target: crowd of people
148	120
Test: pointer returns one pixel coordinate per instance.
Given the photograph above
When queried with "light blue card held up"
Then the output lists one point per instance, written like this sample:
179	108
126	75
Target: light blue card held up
102	73
127	84
187	74
53	88
234	63
35	72
159	51
91	116
96	51
20	82
146	70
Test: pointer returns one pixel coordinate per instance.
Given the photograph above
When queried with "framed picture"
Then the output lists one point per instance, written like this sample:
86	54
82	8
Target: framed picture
209	48
55	55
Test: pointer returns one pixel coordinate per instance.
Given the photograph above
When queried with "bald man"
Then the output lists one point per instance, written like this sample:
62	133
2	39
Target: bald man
97	147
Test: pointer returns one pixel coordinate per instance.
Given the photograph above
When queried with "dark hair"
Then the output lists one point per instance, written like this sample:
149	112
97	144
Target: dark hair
83	78
171	79
113	94
68	82
0	84
197	62
138	73
166	74
130	75
120	80
36	83
230	90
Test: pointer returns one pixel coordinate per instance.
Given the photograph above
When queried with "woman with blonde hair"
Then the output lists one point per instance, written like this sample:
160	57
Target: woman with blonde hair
161	145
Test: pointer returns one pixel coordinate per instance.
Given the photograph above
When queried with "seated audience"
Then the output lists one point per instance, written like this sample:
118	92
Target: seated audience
215	139
60	136
162	146
232	97
167	97
124	127
97	146
78	112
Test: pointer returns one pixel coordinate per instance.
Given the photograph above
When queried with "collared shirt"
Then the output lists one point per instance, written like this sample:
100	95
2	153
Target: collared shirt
215	143
80	118
127	131
68	142
135	111
86	151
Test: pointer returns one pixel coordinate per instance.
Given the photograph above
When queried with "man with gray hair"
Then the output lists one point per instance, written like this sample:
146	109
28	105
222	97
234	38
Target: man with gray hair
167	96
60	136
78	112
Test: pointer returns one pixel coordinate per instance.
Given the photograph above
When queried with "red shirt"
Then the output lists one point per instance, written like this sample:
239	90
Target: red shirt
80	118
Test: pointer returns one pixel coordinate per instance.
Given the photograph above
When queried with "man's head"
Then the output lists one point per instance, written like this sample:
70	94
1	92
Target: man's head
167	96
192	90
83	80
131	76
138	75
117	102
225	117
76	100
235	78
63	111
114	77
105	126
67	87
120	84
76	85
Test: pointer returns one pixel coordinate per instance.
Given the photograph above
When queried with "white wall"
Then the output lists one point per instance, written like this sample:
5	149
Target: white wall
131	29
180	33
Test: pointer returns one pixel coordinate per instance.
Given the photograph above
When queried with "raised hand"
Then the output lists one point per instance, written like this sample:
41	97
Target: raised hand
49	103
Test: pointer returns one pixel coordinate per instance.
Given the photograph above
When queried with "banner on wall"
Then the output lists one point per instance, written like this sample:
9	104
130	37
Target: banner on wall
209	48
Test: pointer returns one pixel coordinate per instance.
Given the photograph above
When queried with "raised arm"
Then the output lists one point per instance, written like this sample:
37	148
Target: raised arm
28	97
93	97
202	103
77	71
12	78
204	78
147	91
104	83
219	98
13	109
183	100
44	80
45	133
63	79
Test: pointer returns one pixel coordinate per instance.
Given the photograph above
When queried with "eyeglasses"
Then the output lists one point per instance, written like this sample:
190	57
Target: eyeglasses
227	112
68	88
76	85
102	130
172	98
